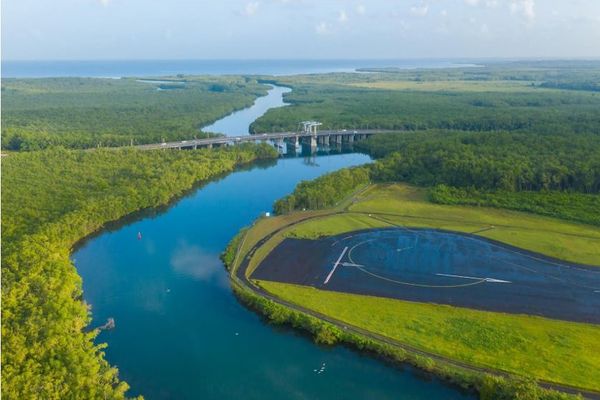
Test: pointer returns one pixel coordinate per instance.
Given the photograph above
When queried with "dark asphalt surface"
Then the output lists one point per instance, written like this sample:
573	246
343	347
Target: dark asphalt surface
440	267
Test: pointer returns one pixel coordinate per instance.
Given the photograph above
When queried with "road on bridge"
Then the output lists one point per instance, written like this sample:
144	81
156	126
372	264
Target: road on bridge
277	136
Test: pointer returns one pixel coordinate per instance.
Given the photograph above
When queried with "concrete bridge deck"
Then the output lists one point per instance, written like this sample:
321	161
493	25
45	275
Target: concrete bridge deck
338	136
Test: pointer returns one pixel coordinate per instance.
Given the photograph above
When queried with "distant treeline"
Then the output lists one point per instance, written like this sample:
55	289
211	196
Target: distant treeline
508	161
545	174
340	106
571	206
590	86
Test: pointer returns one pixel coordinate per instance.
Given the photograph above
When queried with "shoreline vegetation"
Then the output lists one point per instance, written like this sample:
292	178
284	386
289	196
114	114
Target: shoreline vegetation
47	351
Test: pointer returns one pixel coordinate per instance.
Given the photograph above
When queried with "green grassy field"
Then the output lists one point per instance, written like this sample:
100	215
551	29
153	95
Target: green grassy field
405	205
556	351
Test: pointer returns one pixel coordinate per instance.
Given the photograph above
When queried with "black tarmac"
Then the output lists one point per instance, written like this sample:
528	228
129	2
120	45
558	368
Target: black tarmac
433	266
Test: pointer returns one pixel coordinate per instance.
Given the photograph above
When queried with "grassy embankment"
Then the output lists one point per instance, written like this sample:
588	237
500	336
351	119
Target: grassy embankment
407	205
532	347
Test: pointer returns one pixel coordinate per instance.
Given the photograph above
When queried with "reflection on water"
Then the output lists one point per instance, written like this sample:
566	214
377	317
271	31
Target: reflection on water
181	333
238	123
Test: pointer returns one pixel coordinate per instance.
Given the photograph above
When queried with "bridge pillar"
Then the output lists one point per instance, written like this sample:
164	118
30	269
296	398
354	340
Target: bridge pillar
350	138
326	140
338	139
209	146
313	142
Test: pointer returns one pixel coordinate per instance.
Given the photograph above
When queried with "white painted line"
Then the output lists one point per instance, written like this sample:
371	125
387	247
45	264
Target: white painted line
335	265
348	264
405	248
491	280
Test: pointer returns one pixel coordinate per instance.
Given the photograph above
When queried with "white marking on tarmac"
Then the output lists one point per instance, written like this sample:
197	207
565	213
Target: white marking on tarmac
349	264
405	248
342	239
335	266
491	280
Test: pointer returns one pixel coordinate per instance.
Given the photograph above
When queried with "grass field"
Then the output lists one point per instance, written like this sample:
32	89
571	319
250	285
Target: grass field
557	351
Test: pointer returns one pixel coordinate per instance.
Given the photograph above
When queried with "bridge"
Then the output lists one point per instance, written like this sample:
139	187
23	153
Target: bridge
308	135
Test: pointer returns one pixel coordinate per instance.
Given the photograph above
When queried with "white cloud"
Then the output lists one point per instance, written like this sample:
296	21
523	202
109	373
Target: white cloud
525	8
360	9
104	2
251	8
322	28
193	261
420	10
487	3
343	17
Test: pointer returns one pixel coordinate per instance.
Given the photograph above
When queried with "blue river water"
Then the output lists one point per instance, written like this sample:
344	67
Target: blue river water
239	122
180	331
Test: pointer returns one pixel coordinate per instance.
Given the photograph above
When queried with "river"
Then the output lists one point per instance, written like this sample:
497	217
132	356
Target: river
181	333
238	123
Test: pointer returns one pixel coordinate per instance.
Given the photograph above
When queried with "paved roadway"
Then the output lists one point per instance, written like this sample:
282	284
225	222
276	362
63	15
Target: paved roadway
221	140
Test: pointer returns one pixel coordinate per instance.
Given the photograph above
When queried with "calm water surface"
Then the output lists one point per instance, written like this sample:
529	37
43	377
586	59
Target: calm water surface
181	333
239	122
118	68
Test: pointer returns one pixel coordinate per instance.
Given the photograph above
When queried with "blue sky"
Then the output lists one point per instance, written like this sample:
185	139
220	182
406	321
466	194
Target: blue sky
186	29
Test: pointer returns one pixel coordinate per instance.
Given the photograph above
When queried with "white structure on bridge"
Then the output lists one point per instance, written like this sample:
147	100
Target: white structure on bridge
310	127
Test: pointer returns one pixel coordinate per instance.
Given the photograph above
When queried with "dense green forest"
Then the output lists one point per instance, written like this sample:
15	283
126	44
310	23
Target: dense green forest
545	174
50	200
344	106
91	112
572	206
324	191
501	96
512	161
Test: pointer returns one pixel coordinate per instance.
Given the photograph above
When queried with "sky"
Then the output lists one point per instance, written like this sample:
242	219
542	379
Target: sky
299	29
